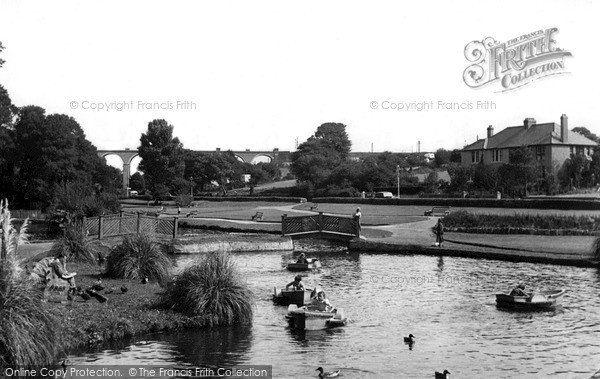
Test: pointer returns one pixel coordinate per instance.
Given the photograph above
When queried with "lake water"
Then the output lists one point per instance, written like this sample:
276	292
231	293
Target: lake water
447	303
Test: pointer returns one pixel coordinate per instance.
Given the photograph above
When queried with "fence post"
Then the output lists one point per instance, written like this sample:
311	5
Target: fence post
100	227
320	221
175	222
357	226
120	221
137	229
283	224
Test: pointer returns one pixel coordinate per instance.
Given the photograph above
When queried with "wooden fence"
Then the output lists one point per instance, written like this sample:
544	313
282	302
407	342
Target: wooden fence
320	224
127	223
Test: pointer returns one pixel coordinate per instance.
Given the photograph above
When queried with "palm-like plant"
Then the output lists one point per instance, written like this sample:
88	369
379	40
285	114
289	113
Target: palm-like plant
75	243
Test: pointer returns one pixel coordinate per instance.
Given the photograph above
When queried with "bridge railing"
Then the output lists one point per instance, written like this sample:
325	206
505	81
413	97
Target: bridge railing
128	223
327	224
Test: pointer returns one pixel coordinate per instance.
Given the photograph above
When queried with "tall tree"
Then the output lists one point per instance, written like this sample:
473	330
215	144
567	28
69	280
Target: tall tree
586	133
315	158
520	171
49	150
7	146
162	157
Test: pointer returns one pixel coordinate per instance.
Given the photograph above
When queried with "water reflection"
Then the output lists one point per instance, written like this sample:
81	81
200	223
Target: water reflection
225	346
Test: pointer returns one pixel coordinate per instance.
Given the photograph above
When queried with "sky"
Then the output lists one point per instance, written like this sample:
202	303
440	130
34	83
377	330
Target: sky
265	74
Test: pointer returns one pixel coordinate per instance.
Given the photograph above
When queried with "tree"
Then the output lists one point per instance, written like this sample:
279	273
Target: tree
459	177
7	145
315	158
162	157
49	150
519	172
442	157
136	182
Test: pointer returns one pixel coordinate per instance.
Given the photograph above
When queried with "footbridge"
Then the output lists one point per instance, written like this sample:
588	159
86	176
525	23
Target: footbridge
320	226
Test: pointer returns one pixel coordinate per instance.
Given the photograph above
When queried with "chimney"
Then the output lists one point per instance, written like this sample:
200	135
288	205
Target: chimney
218	149
564	128
490	130
528	122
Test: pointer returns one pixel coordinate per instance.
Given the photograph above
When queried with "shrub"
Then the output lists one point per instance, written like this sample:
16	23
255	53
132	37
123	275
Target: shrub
28	330
183	200
212	288
138	257
75	243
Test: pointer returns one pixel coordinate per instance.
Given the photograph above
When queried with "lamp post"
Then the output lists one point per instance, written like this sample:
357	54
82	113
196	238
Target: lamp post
398	177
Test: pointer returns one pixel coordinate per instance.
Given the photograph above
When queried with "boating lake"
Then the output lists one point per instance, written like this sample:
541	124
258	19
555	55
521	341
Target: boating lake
447	303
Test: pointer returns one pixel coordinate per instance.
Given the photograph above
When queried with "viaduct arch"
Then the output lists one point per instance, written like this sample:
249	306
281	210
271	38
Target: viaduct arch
247	156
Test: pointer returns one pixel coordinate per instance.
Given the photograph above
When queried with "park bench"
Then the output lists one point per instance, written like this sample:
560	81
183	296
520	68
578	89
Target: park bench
314	207
191	213
438	211
258	216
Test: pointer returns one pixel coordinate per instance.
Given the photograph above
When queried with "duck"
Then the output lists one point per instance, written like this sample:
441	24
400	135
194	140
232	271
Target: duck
101	258
124	288
98	285
410	339
111	290
442	375
85	296
145	280
327	374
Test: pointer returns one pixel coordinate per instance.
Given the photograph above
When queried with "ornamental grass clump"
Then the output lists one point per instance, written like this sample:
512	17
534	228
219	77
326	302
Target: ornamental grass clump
28	329
213	289
139	257
75	243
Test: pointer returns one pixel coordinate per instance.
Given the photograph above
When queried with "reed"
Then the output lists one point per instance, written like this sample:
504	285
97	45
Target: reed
75	243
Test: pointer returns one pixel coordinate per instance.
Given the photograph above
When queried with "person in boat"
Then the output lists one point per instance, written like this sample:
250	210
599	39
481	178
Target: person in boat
302	259
296	284
519	290
320	303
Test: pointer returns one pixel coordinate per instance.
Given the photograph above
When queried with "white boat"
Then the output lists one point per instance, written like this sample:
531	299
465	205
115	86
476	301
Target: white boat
537	300
312	263
305	319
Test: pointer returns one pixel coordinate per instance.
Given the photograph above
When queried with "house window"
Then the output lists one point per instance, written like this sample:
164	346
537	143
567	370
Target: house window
540	153
579	150
497	155
475	156
571	149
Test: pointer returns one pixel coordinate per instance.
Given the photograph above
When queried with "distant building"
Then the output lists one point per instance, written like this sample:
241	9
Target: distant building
550	143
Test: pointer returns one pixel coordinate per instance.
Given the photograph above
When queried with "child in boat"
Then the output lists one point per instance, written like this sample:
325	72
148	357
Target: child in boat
519	290
296	284
320	303
302	259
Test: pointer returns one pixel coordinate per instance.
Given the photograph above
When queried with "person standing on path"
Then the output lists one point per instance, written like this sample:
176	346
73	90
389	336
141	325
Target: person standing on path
439	231
357	217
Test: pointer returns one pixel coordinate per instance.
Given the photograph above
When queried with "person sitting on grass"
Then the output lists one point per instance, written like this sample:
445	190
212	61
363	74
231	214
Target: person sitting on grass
59	267
296	284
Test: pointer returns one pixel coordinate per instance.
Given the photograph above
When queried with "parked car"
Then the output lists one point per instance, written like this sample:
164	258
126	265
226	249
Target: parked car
384	195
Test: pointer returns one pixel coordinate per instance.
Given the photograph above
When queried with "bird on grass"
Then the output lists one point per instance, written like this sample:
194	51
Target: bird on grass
111	290
442	375
98	285
410	339
124	288
84	295
101	259
327	374
145	280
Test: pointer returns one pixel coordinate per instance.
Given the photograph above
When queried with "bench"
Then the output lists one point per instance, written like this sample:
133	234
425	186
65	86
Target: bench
258	216
438	211
314	207
191	213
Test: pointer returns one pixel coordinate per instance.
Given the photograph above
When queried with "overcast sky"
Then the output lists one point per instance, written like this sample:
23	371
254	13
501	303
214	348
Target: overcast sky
262	74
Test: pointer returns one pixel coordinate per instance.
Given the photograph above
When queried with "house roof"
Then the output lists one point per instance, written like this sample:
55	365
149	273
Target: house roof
538	134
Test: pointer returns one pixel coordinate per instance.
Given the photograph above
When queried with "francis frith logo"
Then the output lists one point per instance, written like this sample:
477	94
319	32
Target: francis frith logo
515	63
